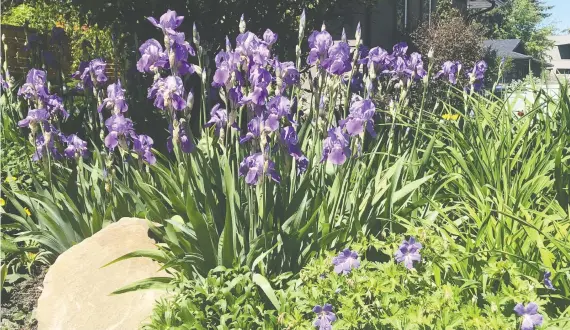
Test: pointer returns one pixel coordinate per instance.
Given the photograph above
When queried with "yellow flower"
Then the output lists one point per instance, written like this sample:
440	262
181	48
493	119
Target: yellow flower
2	202
27	210
449	116
11	179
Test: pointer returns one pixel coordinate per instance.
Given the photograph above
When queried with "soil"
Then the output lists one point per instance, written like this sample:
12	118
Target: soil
19	305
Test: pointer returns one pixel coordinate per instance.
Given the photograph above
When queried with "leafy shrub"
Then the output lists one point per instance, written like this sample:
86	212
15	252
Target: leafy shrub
432	295
225	299
451	38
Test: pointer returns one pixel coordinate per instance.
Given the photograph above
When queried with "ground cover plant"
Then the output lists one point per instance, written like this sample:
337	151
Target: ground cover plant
452	213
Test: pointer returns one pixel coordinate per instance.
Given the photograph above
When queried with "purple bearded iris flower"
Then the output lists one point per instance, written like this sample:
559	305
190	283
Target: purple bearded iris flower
269	37
319	43
345	262
152	56
416	66
250	46
35	85
75	147
290	139
254	167
530	315
279	105
54	105
167	92
186	144
179	55
450	70
547	281
115	100
219	118
168	22
408	252
119	129
259	79
338	60
267	123
477	75
325	317
336	147
45	146
378	58
288	73
91	73
226	63
361	115
34	118
400	49
142	145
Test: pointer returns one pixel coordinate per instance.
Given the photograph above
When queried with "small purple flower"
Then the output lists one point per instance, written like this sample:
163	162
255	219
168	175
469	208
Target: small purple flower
152	56
319	44
336	147
168	22
226	63
142	145
168	92
530	315
75	147
450	70
119	129
338	60
345	262
115	99
361	115
325	317
269	37
408	252
219	118
254	167
34	118
547	281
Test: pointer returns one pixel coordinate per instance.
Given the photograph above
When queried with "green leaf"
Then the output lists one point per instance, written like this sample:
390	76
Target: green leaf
152	283
264	284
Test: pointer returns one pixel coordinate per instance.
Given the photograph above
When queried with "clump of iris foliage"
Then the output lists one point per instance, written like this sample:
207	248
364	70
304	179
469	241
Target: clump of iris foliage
462	199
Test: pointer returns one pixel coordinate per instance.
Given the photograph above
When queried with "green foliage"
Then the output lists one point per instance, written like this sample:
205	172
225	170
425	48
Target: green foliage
521	19
43	15
434	295
225	299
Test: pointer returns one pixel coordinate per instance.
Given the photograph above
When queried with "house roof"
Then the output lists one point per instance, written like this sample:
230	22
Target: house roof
506	48
560	40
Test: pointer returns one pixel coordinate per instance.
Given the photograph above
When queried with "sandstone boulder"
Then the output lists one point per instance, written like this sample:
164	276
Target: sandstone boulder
76	293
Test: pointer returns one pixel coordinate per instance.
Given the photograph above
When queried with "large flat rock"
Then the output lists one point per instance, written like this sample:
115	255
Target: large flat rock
76	294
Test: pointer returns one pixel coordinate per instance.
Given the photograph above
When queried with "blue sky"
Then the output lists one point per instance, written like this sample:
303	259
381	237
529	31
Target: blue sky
560	14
